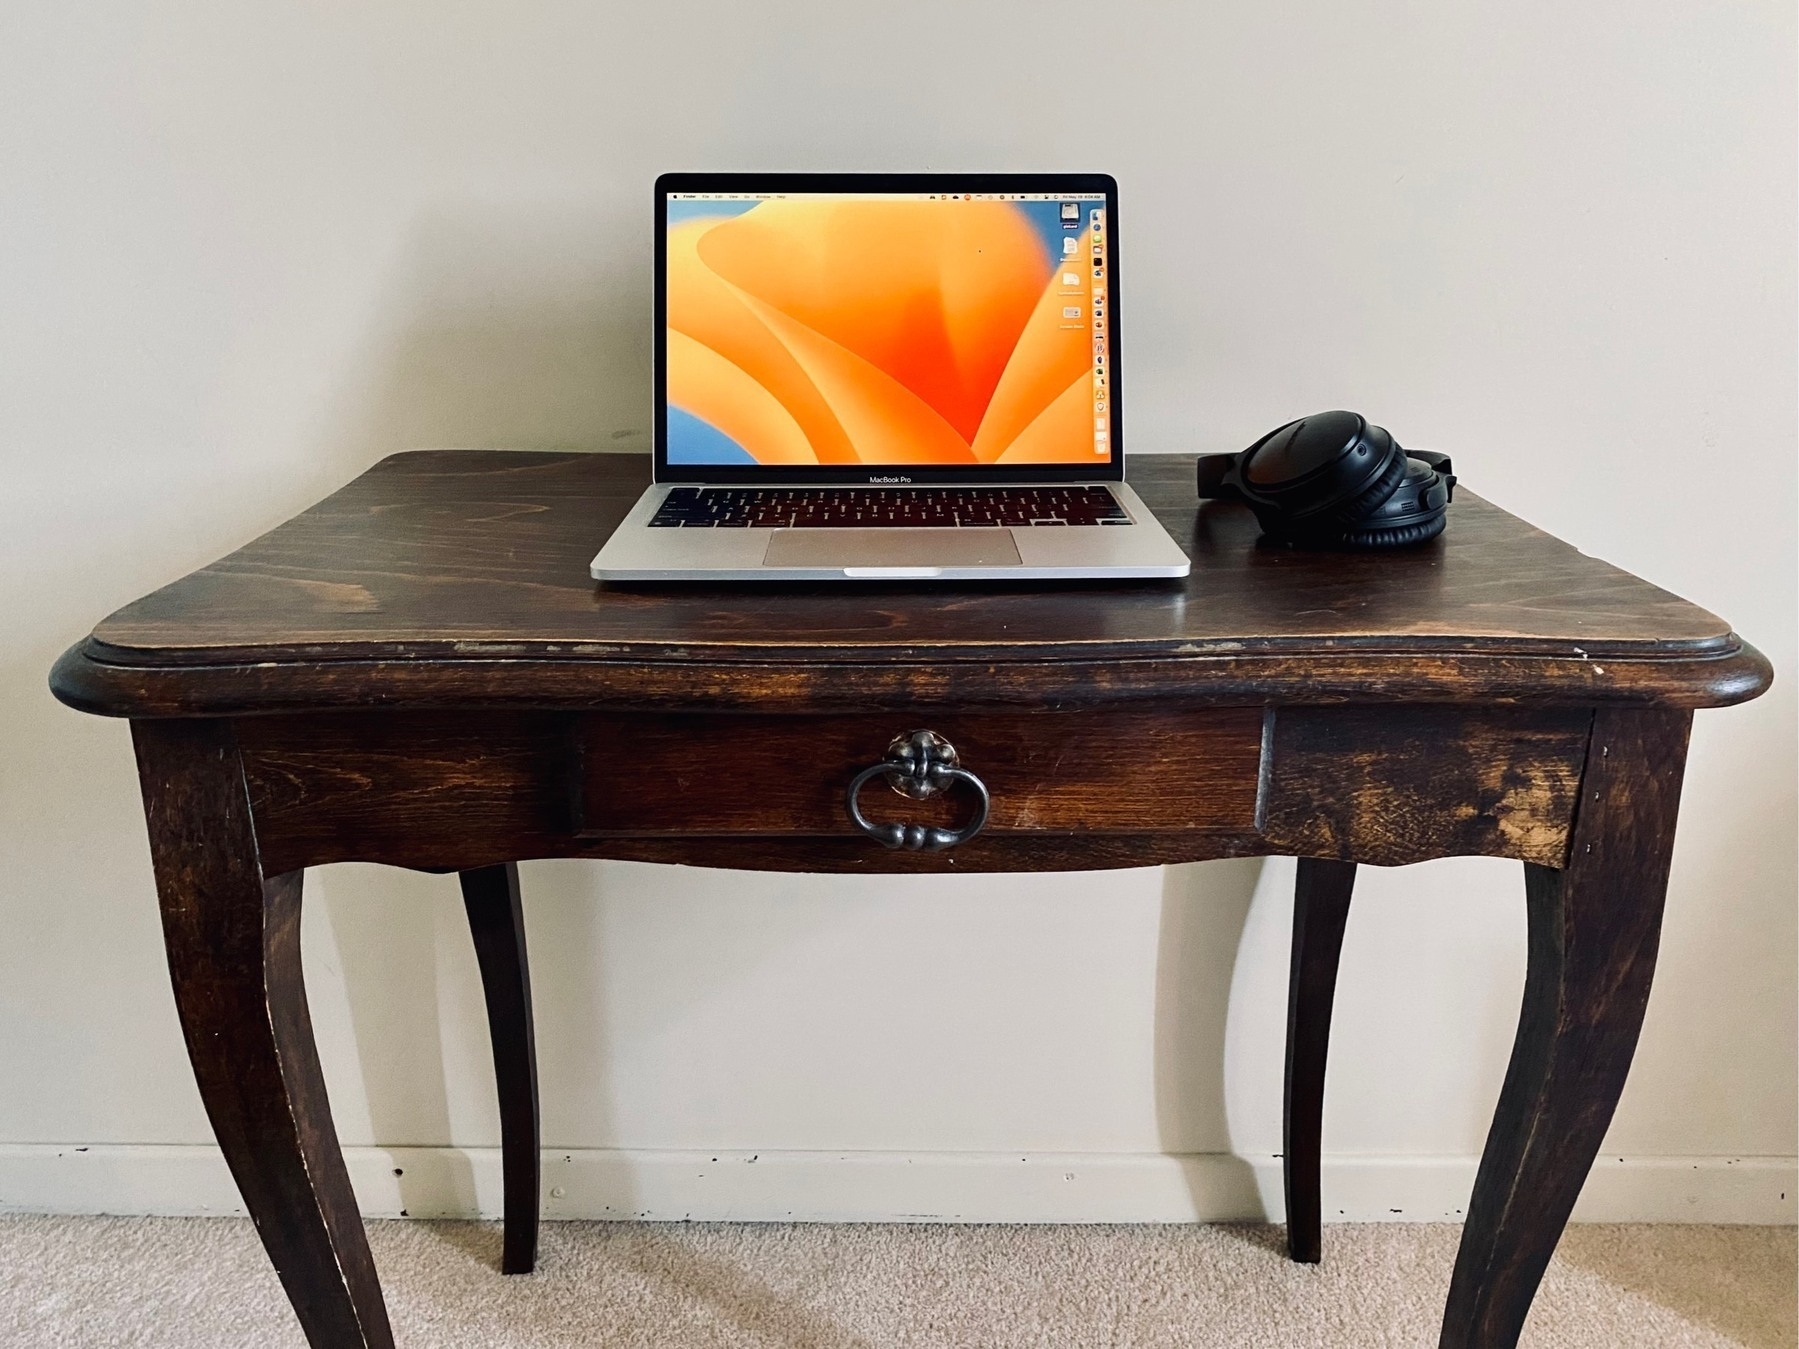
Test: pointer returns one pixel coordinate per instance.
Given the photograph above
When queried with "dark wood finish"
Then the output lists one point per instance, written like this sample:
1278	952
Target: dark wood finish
418	671
441	578
89	678
496	918
1594	927
1320	910
437	791
1047	772
459	790
1435	782
233	938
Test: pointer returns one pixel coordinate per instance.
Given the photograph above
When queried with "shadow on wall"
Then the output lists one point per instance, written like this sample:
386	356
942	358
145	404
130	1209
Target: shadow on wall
517	326
391	933
418	1018
1205	908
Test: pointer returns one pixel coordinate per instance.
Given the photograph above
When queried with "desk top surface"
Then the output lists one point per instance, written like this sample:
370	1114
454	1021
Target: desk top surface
457	577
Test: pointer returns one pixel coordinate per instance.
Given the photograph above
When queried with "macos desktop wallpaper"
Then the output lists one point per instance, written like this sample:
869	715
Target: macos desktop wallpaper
918	329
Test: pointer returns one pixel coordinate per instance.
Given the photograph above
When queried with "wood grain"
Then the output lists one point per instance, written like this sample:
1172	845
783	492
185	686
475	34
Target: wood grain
1594	929
437	791
233	941
1425	782
1055	772
461	790
442	577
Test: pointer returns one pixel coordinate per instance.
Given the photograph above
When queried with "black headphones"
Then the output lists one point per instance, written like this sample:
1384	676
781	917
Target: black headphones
1335	481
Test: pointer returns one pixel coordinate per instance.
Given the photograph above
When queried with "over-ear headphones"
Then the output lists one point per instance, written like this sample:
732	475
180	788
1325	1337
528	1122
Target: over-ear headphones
1335	480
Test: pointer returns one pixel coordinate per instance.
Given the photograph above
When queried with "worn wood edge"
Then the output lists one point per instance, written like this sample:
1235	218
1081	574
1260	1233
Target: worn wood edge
114	651
85	678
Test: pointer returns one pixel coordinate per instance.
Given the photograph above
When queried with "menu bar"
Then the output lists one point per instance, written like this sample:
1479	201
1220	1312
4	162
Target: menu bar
887	196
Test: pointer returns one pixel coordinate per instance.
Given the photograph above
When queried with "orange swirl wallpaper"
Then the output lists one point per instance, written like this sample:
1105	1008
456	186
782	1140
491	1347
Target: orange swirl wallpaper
885	331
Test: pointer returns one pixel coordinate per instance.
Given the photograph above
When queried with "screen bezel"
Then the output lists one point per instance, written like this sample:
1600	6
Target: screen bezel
1110	469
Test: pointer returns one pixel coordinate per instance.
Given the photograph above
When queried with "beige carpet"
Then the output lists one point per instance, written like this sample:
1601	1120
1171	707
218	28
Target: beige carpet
203	1282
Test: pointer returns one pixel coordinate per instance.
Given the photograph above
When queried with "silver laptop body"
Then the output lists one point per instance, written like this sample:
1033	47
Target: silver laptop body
887	377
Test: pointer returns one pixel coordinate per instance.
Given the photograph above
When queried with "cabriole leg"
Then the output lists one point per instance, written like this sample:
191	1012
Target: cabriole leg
1320	909
233	939
1594	927
497	920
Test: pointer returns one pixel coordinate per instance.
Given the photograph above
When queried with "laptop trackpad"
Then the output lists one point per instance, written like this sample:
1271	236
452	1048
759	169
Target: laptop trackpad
917	550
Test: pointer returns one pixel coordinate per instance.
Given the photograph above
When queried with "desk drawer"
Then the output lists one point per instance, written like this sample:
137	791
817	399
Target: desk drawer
1052	772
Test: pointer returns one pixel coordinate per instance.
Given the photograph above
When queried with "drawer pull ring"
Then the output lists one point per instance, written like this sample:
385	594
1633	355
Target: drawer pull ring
919	764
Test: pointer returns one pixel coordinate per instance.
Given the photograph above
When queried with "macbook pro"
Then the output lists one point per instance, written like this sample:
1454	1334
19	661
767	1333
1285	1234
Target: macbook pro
887	377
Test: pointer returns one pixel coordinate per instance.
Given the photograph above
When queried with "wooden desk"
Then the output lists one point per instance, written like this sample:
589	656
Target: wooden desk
418	671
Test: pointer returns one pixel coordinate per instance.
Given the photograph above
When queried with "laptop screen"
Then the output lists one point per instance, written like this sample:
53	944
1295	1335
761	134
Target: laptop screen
930	330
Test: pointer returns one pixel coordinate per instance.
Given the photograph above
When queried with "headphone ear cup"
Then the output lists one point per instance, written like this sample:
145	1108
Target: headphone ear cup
1312	477
1391	477
1415	512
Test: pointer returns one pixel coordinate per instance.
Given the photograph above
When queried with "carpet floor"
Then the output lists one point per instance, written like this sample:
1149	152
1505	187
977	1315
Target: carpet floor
201	1283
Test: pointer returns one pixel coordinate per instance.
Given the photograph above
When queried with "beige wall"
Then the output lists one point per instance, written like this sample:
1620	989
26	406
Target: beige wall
247	250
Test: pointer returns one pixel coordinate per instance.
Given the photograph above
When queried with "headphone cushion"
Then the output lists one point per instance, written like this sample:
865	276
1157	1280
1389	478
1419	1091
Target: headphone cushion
1396	536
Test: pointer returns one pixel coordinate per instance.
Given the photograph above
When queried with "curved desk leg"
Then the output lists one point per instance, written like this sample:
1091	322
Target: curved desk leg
233	941
1320	909
1593	933
497	921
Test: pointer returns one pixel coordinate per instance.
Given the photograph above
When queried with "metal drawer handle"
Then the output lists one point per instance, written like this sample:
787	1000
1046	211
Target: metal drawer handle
919	764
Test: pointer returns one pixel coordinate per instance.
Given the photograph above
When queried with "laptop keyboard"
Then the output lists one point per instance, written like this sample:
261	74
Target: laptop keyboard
875	507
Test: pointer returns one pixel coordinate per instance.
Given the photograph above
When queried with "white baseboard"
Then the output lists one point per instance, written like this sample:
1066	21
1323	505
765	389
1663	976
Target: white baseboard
891	1186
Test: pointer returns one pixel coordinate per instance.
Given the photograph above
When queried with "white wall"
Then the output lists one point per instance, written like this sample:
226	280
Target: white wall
247	250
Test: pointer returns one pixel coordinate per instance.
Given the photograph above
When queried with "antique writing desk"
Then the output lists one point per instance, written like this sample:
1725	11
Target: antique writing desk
418	671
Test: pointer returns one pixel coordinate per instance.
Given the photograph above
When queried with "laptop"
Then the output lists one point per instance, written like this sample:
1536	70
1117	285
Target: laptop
887	377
